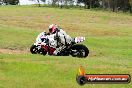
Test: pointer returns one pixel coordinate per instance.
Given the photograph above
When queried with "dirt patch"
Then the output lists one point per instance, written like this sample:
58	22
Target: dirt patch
10	51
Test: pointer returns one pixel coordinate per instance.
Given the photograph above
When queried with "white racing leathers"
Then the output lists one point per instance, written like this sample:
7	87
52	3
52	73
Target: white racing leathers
59	40
62	40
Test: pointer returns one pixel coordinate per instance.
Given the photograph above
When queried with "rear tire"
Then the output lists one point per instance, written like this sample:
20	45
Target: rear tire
82	51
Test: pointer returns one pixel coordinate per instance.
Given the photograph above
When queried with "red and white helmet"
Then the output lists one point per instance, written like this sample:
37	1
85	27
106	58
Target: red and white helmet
52	28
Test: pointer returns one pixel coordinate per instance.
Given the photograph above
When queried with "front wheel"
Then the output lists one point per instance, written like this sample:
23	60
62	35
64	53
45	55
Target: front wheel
37	50
34	49
80	51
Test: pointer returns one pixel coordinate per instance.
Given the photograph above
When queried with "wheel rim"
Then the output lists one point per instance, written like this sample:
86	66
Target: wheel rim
81	53
35	50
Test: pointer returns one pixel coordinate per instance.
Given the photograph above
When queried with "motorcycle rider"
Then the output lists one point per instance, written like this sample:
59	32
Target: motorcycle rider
62	38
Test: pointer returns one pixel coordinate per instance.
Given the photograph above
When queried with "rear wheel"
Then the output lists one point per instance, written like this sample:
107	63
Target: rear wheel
80	51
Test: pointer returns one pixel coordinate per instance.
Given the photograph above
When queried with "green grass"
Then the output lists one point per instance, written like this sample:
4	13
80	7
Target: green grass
108	37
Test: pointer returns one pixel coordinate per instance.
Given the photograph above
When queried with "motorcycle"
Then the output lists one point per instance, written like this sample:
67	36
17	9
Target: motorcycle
74	49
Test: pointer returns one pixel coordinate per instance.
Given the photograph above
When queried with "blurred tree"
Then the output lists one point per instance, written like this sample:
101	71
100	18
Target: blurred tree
38	3
11	2
54	2
90	3
115	5
1	2
130	2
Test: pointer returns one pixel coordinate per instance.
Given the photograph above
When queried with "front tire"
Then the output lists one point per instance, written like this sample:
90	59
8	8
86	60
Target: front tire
34	49
80	51
42	51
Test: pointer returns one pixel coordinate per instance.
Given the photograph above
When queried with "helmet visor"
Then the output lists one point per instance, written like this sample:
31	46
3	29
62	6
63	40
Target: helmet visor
51	30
